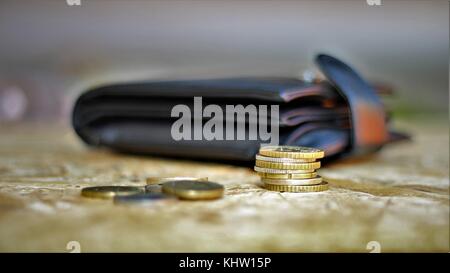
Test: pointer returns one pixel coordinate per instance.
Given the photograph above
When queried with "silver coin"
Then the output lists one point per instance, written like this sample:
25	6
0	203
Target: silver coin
142	198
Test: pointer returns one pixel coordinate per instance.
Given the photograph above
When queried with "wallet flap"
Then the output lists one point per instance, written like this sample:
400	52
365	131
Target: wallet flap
367	113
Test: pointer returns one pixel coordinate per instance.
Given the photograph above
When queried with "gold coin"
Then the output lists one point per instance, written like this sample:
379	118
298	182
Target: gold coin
288	175
284	159
278	171
288	166
293	182
108	192
193	190
307	188
160	180
291	152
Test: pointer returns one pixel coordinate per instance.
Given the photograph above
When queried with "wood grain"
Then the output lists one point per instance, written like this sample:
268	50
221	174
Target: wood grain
399	198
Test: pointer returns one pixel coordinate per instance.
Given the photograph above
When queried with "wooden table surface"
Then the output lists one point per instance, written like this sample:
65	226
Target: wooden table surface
398	198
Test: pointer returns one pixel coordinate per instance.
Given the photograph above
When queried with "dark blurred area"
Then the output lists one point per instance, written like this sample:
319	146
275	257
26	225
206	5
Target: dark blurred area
50	51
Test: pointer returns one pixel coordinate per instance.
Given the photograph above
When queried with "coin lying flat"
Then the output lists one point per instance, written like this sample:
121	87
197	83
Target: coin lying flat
288	175
278	171
293	182
288	166
284	160
193	190
160	180
291	152
108	192
153	188
142	198
287	188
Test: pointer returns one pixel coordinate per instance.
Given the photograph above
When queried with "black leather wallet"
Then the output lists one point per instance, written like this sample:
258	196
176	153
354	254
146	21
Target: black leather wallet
342	115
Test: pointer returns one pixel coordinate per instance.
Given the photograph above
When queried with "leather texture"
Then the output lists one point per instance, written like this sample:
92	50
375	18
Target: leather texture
342	115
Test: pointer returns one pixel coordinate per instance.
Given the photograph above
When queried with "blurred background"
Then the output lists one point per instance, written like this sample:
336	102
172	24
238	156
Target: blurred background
50	51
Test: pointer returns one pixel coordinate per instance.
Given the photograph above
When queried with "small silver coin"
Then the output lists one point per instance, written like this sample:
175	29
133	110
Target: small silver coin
194	190
153	188
142	198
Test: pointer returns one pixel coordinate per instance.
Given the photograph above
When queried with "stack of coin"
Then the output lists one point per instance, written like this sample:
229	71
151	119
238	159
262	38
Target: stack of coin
290	168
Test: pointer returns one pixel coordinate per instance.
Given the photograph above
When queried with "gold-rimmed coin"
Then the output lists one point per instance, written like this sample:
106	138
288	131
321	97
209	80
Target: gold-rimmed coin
287	175
284	159
278	171
108	192
288	188
288	166
193	190
160	180
291	152
293	182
